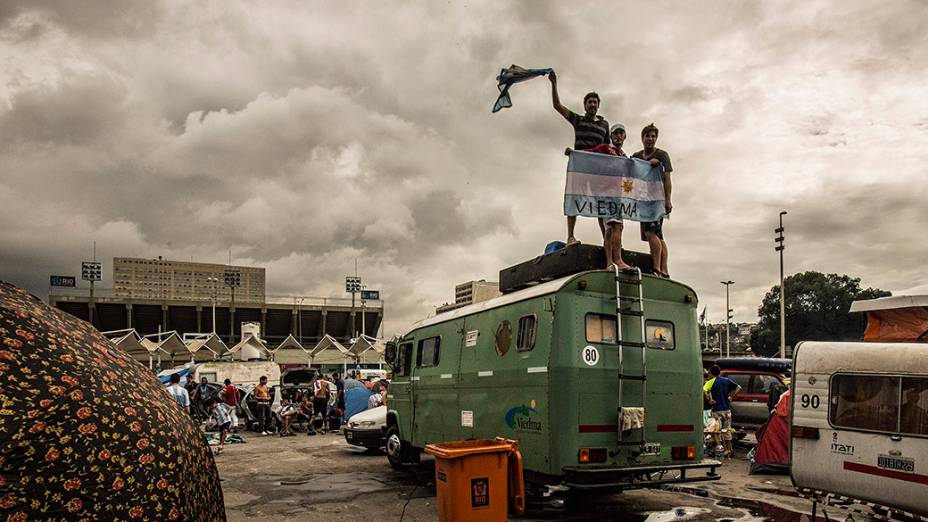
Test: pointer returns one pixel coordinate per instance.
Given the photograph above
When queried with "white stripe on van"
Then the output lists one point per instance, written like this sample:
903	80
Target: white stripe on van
446	376
537	369
485	374
414	378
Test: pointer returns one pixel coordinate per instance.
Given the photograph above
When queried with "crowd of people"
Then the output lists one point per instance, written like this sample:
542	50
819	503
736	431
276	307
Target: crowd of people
317	408
592	133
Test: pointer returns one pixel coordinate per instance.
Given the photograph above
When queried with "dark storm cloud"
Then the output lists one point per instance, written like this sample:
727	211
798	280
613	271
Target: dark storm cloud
307	136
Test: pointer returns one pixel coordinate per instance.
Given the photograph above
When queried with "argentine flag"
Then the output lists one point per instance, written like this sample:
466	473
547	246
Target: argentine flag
604	186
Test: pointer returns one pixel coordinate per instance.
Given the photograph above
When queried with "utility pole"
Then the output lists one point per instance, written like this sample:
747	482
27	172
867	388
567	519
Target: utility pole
232	279
353	286
214	295
779	248
727	319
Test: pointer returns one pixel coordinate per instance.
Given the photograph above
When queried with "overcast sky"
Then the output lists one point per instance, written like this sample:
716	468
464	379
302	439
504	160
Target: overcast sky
305	135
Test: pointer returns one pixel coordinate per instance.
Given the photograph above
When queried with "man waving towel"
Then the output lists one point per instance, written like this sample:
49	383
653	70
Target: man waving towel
514	74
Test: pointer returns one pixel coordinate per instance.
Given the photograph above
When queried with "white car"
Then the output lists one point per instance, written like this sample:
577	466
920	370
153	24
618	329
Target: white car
368	428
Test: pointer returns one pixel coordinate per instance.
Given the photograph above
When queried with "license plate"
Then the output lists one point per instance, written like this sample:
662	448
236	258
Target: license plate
651	449
349	435
896	463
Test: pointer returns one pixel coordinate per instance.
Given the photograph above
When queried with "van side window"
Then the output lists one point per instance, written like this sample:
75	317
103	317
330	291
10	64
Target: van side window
526	339
600	328
403	359
660	334
866	402
914	411
428	352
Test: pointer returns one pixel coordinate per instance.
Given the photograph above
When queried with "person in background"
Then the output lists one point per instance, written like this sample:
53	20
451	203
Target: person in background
229	395
590	130
191	386
220	412
340	387
306	412
321	399
179	392
653	232
288	411
263	399
202	396
720	394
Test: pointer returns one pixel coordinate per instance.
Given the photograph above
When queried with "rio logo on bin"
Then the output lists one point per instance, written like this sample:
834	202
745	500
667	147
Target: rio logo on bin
480	492
521	418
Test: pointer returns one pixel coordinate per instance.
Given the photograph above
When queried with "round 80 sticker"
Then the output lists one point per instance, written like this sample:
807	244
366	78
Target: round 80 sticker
590	355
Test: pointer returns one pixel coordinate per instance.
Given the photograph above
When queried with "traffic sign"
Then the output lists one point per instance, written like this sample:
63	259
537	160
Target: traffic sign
57	280
91	270
370	295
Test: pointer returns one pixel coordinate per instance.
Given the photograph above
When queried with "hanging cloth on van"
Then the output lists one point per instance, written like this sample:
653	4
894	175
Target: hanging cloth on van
632	418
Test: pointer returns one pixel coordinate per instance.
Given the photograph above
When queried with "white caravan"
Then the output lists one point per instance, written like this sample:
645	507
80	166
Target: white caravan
859	423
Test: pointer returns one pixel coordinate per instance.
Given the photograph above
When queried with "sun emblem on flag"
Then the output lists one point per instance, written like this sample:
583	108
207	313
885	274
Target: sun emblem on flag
627	186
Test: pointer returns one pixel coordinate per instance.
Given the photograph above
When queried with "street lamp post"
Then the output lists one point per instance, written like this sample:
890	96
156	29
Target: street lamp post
727	319
299	318
213	281
779	248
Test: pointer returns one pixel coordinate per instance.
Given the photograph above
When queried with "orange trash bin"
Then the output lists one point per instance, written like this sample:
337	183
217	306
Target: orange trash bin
476	480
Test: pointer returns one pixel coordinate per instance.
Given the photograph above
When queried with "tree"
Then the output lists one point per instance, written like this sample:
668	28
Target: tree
816	310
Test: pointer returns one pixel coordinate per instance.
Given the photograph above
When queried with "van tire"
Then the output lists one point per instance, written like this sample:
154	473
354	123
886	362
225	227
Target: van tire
399	452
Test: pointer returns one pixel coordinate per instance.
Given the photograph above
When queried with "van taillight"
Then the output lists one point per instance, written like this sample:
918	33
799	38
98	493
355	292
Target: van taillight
803	432
682	452
591	455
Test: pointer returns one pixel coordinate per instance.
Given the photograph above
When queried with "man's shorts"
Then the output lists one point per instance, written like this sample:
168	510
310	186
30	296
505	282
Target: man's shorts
653	226
225	426
724	418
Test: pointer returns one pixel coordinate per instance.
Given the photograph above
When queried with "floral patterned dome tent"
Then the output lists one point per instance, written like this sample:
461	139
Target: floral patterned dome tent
86	432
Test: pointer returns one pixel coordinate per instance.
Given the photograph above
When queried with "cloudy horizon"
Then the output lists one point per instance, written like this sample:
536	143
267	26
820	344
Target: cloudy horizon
304	136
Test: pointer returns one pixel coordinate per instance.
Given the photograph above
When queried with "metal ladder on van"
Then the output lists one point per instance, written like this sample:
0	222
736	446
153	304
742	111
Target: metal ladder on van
631	306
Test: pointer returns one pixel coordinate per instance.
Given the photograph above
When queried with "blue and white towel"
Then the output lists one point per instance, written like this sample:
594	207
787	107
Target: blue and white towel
604	186
514	74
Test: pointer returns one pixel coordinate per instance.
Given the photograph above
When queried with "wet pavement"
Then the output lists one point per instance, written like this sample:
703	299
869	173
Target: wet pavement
319	478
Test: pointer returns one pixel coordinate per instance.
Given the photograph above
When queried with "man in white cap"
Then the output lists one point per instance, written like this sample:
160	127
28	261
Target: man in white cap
612	233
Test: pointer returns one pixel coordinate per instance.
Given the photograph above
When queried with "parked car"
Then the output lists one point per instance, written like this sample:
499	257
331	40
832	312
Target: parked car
750	408
368	428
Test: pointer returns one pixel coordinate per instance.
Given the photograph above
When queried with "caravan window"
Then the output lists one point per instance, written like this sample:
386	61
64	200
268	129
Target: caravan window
660	334
866	402
526	340
914	411
600	328
429	351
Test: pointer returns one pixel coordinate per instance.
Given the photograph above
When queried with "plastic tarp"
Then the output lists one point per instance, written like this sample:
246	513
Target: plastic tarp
290	351
130	342
251	341
897	325
355	399
772	454
206	348
59	377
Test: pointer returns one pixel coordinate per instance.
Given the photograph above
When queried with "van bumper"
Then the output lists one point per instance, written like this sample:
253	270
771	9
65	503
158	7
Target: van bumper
633	477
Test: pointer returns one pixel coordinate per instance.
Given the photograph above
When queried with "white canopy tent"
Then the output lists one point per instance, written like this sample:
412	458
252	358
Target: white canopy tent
329	350
291	351
168	343
367	349
130	342
205	347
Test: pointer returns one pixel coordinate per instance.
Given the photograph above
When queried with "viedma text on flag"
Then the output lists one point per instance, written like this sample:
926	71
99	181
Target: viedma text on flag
604	186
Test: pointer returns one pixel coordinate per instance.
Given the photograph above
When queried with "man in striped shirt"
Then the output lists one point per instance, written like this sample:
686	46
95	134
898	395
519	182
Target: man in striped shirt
590	130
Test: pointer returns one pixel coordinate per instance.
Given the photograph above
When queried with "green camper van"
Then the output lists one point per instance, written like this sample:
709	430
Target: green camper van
597	374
